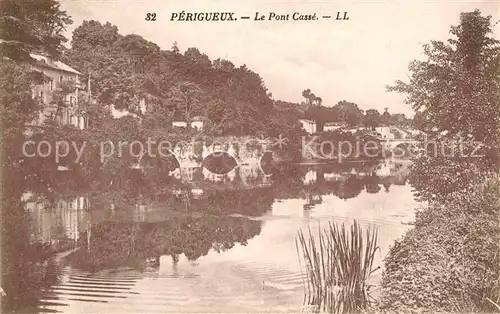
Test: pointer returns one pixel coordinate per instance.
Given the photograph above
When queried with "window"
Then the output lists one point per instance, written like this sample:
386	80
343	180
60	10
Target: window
51	84
41	97
60	78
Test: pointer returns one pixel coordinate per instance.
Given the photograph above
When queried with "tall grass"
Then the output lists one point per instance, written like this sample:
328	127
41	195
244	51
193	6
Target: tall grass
337	265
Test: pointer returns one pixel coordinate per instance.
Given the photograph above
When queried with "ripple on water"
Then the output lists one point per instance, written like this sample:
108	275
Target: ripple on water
229	287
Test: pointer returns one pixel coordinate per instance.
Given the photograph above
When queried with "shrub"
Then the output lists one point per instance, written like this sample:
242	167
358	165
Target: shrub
450	260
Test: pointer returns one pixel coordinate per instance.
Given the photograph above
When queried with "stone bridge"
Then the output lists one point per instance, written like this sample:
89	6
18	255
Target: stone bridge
243	150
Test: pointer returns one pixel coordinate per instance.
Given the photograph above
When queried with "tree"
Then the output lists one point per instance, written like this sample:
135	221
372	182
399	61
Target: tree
197	57
59	96
350	113
311	99
32	26
187	98
420	121
124	69
372	118
27	27
386	117
92	34
456	93
223	65
175	48
306	93
17	106
399	119
457	88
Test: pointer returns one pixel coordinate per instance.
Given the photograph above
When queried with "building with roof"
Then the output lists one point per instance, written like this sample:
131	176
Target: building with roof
385	132
332	126
308	125
197	123
58	74
179	124
120	113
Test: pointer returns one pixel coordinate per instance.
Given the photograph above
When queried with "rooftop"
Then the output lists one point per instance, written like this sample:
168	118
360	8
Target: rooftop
335	123
48	62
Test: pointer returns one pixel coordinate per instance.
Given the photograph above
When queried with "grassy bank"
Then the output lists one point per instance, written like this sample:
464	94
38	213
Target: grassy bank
450	261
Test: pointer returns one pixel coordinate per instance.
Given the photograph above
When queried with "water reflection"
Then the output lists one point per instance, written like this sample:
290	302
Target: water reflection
121	244
197	241
57	223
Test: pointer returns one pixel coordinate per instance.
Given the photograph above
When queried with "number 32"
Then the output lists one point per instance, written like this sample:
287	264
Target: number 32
151	17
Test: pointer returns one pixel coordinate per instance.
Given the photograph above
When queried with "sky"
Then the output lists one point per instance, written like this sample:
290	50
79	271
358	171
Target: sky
351	60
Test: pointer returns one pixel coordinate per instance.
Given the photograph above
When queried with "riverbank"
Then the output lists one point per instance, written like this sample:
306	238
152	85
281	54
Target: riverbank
450	260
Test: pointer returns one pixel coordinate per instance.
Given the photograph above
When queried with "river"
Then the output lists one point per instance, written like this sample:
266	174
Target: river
208	243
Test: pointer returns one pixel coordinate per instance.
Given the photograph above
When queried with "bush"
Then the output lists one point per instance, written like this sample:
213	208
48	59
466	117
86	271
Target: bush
447	168
450	260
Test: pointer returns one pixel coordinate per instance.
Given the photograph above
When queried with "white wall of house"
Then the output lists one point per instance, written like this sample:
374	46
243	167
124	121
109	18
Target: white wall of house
179	124
198	125
333	126
385	132
414	132
308	125
58	73
117	114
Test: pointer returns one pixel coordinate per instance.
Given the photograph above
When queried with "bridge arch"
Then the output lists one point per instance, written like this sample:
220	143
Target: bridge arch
171	157
222	152
267	156
220	162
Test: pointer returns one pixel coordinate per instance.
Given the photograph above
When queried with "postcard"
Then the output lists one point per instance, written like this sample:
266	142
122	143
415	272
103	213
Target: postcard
266	156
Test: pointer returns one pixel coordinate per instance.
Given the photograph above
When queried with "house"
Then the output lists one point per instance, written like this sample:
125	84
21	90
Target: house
413	132
332	126
59	73
117	114
197	123
308	125
179	124
385	132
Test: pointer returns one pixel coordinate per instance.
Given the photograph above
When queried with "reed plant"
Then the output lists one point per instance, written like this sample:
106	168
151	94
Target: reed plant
337	265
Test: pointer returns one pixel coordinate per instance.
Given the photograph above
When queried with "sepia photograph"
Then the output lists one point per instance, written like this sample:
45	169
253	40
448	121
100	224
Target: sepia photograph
260	156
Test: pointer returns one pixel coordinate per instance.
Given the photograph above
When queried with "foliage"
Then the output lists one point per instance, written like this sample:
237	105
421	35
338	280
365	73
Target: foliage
18	108
59	97
350	112
187	98
449	261
446	167
131	244
457	88
31	26
337	266
311	99
346	145
420	121
27	27
372	118
234	100
456	93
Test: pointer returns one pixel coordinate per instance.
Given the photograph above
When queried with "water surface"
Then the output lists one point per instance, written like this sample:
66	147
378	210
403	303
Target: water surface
207	243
